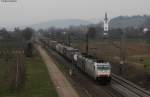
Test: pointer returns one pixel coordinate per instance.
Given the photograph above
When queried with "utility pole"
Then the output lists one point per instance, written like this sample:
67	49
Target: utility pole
69	39
87	43
64	38
123	47
122	52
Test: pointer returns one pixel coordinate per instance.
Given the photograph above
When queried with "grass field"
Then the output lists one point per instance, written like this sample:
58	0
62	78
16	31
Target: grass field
38	82
146	63
135	50
137	67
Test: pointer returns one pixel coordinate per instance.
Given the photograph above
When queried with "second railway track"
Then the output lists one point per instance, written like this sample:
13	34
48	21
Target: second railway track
131	89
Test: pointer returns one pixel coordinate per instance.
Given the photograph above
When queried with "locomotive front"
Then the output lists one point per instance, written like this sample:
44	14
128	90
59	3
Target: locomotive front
103	71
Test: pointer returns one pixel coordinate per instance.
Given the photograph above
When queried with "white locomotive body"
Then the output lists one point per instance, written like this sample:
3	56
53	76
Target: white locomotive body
97	69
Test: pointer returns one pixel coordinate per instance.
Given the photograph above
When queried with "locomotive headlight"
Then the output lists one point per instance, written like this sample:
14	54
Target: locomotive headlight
75	57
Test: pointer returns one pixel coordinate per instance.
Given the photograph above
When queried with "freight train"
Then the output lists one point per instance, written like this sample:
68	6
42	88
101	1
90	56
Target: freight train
97	69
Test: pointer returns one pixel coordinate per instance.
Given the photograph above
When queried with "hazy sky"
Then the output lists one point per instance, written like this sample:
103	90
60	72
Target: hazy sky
34	11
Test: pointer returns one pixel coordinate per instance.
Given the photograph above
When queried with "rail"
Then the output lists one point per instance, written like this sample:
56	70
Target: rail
131	86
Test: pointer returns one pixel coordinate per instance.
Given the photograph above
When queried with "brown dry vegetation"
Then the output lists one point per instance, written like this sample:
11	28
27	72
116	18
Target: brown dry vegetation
135	50
137	67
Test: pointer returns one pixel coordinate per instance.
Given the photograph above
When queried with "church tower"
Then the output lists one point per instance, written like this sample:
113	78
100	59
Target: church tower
106	25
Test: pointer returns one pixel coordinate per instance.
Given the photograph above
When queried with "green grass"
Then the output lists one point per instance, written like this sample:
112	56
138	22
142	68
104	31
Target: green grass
146	63
38	83
3	78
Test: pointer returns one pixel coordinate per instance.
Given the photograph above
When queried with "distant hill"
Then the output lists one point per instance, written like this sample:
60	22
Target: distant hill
61	23
126	21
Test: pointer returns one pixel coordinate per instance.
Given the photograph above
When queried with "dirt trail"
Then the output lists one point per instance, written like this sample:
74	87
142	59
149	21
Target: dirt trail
62	85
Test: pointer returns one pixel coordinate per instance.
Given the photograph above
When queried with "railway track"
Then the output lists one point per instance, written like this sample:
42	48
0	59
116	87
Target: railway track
120	87
82	82
132	89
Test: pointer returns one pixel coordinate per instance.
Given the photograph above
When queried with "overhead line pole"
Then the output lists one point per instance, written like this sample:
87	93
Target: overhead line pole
87	43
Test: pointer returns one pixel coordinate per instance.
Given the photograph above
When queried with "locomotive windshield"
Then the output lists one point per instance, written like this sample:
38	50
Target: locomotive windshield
103	67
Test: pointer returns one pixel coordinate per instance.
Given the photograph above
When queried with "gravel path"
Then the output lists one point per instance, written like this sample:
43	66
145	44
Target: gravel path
63	87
